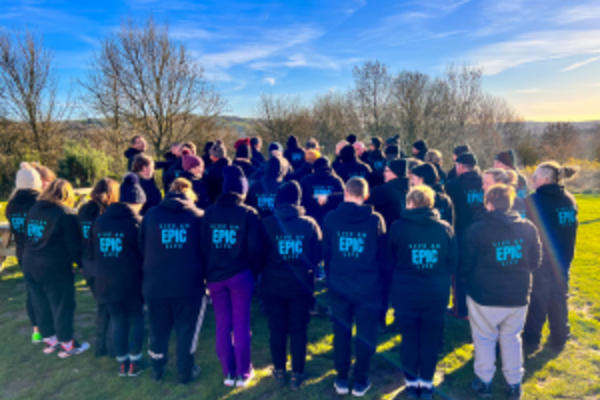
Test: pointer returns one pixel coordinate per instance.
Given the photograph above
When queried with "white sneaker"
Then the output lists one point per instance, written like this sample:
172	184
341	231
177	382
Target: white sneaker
229	381
244	382
73	349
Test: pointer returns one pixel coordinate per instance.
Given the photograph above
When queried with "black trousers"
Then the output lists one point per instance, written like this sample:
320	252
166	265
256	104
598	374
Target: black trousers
184	315
549	301
54	304
104	342
127	322
421	330
366	313
288	316
29	305
385	299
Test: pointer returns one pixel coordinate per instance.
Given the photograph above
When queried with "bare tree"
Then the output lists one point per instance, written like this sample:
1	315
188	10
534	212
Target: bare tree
149	83
334	118
559	141
30	91
411	94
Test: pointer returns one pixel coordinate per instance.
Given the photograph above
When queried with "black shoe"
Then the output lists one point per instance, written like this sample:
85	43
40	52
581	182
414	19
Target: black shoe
158	375
514	392
426	393
297	380
123	368
483	390
279	375
411	392
136	367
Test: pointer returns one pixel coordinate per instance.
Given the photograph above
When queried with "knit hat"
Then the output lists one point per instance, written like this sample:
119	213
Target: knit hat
292	142
427	172
507	158
392	150
243	151
311	156
234	180
131	191
467	159
208	146
28	177
351	139
218	150
190	162
289	193
394	140
376	142
322	162
399	168
254	141
275	146
360	148
241	142
421	145
464	148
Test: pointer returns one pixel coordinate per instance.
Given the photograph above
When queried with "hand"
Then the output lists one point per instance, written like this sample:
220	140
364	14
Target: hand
322	200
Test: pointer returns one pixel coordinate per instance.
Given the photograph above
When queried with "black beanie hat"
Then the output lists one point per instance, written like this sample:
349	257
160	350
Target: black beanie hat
376	142
322	162
428	172
275	146
392	150
348	154
351	139
130	191
463	148
421	145
243	152
208	146
507	158
467	159
289	193
234	180
394	140
399	168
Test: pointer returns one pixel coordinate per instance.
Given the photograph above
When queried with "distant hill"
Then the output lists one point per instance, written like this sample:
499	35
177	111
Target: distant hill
538	127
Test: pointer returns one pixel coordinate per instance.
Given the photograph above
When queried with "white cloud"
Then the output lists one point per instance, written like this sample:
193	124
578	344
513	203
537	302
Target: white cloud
270	81
579	13
535	90
539	46
299	60
580	64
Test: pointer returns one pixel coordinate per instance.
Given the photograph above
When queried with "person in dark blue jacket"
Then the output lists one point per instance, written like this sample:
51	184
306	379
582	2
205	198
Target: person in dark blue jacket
508	177
293	252
193	171
113	248
214	174
173	279
143	167
261	194
350	166
354	246
322	191
257	158
422	252
426	174
294	153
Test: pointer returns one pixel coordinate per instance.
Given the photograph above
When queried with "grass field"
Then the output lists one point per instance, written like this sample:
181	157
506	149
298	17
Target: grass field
26	373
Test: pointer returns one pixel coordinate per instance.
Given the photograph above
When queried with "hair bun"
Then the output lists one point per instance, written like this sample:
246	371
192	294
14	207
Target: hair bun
25	165
131	179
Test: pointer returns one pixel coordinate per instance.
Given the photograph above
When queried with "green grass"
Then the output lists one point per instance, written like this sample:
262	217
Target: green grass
26	373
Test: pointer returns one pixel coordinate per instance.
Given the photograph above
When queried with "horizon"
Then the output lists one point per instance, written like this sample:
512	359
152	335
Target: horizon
542	57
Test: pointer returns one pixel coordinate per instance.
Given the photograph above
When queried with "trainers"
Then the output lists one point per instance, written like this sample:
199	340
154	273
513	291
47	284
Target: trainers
426	393
242	381
72	348
123	368
341	387
359	389
297	380
279	375
229	381
52	344
411	392
515	392
136	367
36	337
483	390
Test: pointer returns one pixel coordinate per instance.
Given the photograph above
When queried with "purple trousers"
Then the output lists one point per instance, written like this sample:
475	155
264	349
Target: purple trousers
231	301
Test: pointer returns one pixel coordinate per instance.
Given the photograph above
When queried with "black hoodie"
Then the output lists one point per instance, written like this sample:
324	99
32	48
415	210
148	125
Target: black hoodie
498	255
257	158
16	213
294	153
174	171
170	159
293	251
324	182
233	238
130	154
169	241
86	216
53	240
246	166
153	194
390	199
423	252
116	255
554	211
351	167
443	203
354	246
261	194
378	163
466	193
451	175
441	174
306	170
214	178
199	189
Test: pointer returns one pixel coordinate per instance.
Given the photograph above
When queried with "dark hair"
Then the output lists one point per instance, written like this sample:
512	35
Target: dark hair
133	139
140	161
105	193
357	187
501	196
189	145
312	144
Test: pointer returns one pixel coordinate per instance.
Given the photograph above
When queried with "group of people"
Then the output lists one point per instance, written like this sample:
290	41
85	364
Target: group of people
380	227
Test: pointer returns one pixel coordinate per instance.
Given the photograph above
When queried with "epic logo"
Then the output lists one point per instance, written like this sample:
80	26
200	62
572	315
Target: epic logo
475	197
424	257
111	246
508	253
352	245
85	229
224	238
266	202
566	217
297	156
18	223
35	231
174	236
291	248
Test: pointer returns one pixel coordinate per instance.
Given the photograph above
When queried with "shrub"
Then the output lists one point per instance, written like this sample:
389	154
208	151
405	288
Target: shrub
83	165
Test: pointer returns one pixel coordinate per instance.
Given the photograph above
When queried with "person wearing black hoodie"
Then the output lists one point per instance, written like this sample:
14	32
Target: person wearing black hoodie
426	174
143	167
138	146
104	193
214	175
175	171
261	195
351	166
294	153
377	161
422	252
113	248
466	192
193	171
173	279
232	254
322	191
498	256
206	155
458	150
435	157
508	160
509	177
28	188
53	245
293	252
170	157
354	246
419	149
243	159
554	211
257	158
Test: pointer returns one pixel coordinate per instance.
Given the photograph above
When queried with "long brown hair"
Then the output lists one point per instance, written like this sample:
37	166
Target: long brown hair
182	185
59	192
105	193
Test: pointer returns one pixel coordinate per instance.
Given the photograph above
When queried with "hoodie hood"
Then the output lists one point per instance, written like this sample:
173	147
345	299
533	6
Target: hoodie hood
230	199
189	176
131	152
353	213
292	142
402	183
471	180
348	155
422	215
552	190
289	211
177	202
323	171
501	218
25	196
120	211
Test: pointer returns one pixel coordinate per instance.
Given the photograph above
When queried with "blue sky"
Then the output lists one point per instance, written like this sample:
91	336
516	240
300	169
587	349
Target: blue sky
542	55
